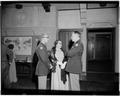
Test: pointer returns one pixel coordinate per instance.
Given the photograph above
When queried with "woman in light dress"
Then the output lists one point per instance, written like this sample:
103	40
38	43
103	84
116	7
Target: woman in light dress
59	78
11	59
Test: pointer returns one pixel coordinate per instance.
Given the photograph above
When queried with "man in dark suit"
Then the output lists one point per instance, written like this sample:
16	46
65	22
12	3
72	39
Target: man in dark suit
34	64
43	65
74	65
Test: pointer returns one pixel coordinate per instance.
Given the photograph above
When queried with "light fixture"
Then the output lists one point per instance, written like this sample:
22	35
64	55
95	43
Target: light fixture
18	6
103	4
46	6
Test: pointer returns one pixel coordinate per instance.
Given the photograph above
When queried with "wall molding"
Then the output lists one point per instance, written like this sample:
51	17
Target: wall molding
100	24
17	31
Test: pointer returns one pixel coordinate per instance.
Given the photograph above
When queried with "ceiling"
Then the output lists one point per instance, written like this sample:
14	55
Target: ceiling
88	5
62	6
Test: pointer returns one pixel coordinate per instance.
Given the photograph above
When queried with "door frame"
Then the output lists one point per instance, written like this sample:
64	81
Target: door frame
113	30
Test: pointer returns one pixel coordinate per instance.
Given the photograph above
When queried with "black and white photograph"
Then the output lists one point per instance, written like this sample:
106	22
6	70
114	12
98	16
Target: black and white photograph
60	47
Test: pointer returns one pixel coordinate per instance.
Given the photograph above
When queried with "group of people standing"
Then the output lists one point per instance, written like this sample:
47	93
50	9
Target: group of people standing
8	67
66	67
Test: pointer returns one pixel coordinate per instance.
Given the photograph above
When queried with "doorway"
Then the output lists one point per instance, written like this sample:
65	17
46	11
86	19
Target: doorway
100	50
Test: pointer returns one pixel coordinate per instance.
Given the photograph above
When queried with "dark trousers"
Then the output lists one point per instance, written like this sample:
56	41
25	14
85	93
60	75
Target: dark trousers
35	78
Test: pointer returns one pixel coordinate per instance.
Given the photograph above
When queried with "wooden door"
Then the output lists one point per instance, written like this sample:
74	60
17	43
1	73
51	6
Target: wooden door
103	46
65	38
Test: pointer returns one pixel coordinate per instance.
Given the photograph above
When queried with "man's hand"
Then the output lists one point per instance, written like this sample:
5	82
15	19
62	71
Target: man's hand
10	63
51	66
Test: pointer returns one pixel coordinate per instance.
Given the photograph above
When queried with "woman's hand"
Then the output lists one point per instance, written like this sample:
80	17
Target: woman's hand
63	65
60	63
10	63
54	61
53	69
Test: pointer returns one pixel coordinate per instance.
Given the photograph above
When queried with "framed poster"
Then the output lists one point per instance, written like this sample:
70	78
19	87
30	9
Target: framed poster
22	45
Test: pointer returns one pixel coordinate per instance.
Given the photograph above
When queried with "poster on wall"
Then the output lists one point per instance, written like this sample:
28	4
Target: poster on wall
22	45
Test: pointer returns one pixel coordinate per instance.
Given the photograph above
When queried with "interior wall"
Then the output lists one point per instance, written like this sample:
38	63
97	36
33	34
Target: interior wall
69	19
102	15
29	21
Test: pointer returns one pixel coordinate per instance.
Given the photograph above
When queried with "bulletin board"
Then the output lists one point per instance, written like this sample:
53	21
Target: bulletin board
22	45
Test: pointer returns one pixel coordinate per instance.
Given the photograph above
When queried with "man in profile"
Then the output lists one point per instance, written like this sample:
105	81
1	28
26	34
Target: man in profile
43	65
74	65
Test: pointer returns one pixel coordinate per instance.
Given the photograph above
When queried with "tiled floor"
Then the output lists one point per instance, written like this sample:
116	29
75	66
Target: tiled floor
95	82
